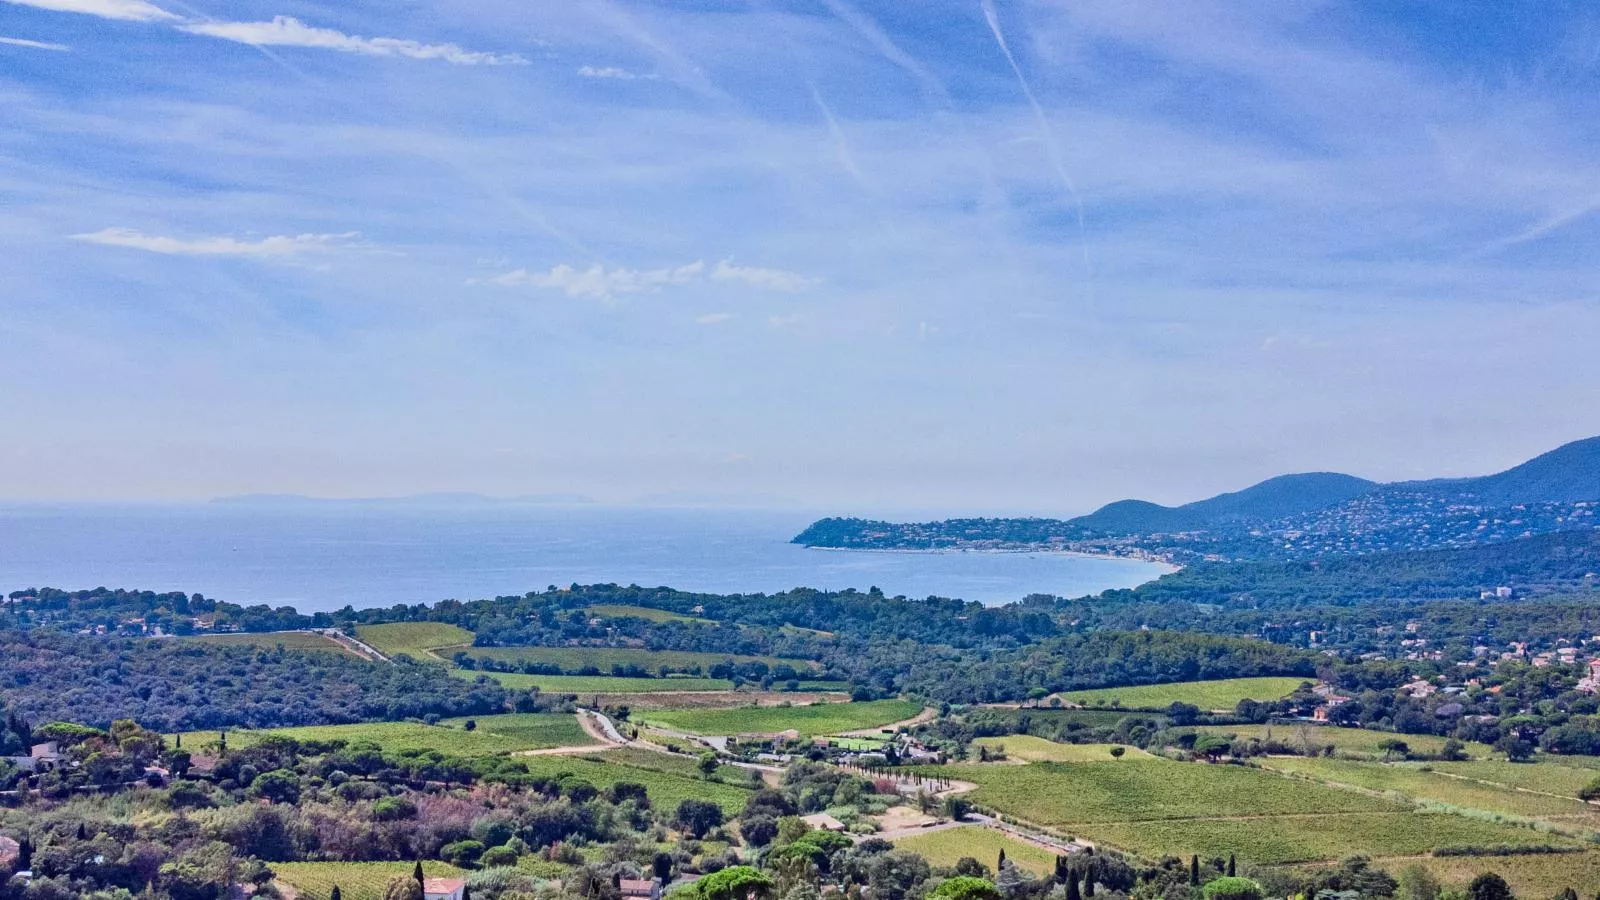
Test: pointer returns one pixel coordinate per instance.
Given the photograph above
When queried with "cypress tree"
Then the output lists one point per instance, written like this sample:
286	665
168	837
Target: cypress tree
1194	870
416	873
24	854
1001	863
1072	886
335	894
83	832
1231	866
1088	880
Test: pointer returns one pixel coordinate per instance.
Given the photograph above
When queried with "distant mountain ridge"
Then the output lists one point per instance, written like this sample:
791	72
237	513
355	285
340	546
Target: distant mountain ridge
1297	516
1569	473
1275	498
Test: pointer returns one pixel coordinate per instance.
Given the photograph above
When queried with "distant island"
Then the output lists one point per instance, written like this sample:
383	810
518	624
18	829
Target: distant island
1290	517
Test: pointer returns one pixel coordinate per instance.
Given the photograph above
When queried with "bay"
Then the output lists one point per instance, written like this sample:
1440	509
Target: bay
322	556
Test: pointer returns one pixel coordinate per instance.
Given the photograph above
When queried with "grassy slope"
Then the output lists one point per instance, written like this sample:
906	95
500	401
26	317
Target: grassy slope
597	684
1223	694
356	881
1415	784
1353	741
495	735
825	718
414	639
947	846
1028	748
572	659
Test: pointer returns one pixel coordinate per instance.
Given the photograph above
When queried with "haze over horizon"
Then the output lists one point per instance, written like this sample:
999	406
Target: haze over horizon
1028	256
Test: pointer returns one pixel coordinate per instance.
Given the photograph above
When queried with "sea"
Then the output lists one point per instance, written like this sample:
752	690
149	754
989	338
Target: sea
324	556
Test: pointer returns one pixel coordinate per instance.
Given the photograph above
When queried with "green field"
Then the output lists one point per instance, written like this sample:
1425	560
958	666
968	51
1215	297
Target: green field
574	659
1312	837
1346	741
1533	875
946	847
821	718
1413	783
356	881
414	639
1155	807
649	614
288	640
1027	748
597	684
666	788
1068	794
495	735
1223	694
1548	775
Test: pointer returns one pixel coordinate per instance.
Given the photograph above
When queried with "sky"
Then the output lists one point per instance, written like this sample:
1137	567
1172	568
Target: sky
959	255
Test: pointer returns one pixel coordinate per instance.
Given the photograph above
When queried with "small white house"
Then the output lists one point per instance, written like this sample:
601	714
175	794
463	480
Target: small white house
443	888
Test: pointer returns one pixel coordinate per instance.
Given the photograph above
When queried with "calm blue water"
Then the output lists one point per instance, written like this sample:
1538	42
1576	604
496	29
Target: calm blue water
323	557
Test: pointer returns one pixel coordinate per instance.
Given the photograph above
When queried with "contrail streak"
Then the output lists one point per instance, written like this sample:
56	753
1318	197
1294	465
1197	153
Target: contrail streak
1051	149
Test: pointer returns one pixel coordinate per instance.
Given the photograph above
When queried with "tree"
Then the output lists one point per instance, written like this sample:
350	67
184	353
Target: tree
708	763
1001	862
1117	751
1211	746
278	786
1417	883
1072	887
1194	870
1393	748
1590	791
734	883
1453	750
1231	888
1232	866
966	887
661	867
336	894
403	889
1515	748
1489	886
698	817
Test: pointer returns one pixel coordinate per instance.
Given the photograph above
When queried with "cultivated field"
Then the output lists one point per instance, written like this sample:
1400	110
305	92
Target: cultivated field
666	788
414	639
1550	775
820	718
1156	807
495	735
1314	837
947	846
574	659
597	684
1222	694
1345	741
288	640
1027	748
1533	875
356	881
1416	784
618	611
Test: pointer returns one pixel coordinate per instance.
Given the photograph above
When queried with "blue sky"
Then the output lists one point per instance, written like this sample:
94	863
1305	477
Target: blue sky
1019	256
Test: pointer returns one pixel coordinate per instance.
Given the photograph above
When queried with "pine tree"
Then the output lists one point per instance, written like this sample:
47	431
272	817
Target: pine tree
1194	870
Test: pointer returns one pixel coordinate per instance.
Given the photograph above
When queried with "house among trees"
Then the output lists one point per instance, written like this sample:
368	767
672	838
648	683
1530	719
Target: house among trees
823	822
443	888
640	889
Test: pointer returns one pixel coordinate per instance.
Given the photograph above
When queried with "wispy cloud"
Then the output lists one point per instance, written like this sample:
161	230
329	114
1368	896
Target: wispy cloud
602	283
599	282
280	247
611	72
287	31
128	10
36	45
757	276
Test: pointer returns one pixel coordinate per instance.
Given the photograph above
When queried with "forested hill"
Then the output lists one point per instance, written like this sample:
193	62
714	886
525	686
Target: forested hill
1300	516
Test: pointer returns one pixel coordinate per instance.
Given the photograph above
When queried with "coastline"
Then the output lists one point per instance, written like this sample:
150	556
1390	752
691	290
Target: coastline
1167	564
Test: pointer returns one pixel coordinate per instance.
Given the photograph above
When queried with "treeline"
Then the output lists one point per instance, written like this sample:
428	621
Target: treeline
170	685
